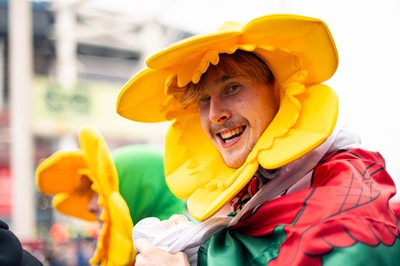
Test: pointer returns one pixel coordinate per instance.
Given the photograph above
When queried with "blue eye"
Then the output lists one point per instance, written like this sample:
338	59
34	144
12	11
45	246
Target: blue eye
231	89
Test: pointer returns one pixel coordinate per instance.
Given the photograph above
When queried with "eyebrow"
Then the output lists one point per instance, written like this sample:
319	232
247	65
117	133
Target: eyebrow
224	78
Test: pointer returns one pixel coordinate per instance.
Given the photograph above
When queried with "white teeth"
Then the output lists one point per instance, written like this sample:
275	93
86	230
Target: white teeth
229	141
226	135
230	133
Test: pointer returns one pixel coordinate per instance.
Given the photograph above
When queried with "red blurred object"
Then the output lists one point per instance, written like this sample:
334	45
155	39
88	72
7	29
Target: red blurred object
396	207
59	233
5	191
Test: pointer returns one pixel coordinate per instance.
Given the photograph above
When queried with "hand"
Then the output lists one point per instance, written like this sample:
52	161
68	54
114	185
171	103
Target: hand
150	255
174	220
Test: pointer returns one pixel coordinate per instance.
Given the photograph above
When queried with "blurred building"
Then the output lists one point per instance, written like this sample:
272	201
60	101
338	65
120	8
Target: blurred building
82	54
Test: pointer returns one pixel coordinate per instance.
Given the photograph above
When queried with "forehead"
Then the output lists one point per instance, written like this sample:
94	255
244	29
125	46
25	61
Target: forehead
241	67
227	70
216	81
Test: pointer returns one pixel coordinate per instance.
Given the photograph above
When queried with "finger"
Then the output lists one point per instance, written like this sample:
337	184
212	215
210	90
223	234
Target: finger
174	220
179	218
142	245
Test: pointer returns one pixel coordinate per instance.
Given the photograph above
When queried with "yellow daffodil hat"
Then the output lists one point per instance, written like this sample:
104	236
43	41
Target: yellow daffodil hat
301	53
73	176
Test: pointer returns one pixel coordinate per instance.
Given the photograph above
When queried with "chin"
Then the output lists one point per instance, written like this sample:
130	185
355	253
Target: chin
236	158
235	164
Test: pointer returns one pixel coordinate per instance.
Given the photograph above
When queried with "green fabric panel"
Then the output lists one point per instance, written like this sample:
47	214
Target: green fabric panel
142	183
235	249
360	254
240	249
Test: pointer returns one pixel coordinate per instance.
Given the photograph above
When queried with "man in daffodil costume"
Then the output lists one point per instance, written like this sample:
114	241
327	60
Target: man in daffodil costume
254	128
118	190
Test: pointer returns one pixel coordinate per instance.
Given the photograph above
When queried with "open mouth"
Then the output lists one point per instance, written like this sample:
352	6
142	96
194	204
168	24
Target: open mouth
231	135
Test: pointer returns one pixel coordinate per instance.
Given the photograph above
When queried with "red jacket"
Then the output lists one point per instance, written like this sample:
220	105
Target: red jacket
343	218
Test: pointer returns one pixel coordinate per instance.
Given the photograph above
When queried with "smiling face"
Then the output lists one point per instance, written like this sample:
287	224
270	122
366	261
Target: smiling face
237	100
234	114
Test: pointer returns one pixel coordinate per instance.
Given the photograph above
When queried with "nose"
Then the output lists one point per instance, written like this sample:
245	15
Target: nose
94	206
218	112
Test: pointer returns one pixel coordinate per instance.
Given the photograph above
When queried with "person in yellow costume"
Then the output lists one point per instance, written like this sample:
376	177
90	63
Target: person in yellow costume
255	129
117	189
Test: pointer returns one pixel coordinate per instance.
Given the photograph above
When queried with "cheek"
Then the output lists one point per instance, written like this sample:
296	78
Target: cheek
264	114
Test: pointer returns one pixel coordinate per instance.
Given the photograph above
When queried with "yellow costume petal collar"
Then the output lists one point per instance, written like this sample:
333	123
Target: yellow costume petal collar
307	114
73	176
